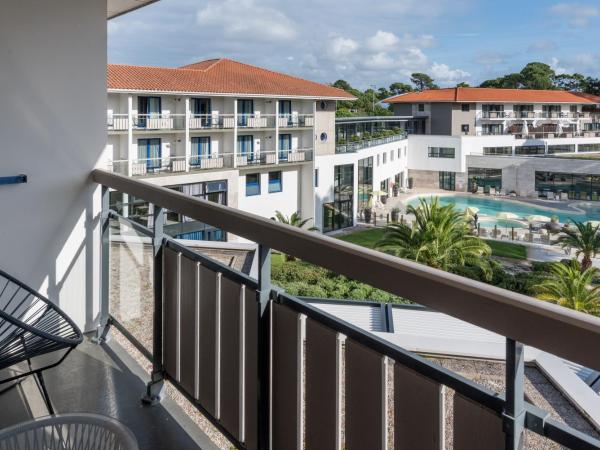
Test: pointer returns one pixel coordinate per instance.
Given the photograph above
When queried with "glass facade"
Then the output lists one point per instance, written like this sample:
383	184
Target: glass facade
485	178
589	148
497	150
530	150
365	181
338	214
448	181
576	186
564	148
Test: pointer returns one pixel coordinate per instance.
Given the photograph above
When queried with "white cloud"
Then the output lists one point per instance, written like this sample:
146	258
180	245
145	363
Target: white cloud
341	47
444	74
382	41
578	15
555	64
490	58
247	19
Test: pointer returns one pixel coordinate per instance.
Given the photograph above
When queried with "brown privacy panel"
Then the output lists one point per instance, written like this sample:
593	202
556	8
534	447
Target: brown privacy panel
209	286
418	411
285	378
231	302
476	426
188	336
251	370
364	404
170	311
321	387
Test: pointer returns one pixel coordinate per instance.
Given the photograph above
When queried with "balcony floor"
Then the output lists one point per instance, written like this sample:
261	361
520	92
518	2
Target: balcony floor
104	379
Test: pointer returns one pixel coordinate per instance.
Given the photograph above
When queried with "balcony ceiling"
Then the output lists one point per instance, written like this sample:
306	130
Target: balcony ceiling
117	7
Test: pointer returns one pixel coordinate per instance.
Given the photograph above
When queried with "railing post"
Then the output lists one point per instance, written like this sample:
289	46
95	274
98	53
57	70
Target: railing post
264	348
514	409
155	386
102	330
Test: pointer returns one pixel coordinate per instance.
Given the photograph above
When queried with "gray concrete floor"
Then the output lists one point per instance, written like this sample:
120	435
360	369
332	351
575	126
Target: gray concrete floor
104	379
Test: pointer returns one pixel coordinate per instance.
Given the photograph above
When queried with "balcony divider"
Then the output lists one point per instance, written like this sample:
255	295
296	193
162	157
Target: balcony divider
270	370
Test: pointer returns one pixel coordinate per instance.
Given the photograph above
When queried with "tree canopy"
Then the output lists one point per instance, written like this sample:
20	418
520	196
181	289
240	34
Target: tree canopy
537	75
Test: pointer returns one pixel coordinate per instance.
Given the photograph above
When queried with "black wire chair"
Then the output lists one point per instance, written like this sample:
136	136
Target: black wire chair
32	326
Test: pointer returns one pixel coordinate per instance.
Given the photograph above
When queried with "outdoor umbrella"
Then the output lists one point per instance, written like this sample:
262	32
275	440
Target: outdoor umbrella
538	218
507	216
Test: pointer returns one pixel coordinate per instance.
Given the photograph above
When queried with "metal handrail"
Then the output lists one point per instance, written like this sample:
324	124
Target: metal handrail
555	329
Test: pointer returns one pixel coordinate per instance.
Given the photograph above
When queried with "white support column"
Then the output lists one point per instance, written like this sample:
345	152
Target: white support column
130	153
235	132
276	131
188	143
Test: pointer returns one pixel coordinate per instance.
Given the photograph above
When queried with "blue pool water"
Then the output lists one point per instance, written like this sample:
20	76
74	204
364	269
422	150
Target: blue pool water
489	207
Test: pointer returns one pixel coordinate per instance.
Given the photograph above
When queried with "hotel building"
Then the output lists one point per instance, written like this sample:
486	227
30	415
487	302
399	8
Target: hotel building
529	142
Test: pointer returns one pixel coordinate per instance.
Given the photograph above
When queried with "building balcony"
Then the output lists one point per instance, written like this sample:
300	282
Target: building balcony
502	115
563	134
352	147
215	161
212	121
264	366
296	121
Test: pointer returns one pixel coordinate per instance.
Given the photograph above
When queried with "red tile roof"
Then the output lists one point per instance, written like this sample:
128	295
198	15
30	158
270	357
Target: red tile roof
218	76
493	95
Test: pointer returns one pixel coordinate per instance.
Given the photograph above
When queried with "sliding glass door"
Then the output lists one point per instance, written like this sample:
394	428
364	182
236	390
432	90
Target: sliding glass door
246	146
148	107
200	149
201	109
149	151
245	108
285	145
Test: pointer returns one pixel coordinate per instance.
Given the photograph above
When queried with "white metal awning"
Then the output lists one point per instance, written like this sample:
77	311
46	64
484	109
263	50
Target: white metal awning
115	8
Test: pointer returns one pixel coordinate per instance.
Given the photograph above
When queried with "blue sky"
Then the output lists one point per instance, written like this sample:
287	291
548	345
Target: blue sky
376	42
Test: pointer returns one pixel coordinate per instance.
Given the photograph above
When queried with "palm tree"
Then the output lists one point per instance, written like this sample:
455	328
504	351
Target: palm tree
568	285
440	237
295	220
585	239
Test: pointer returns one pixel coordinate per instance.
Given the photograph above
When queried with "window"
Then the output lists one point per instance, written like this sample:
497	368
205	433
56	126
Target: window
588	148
316	177
421	107
441	152
497	150
246	146
464	128
275	182
384	158
465	107
484	178
391	155
378	158
202	111
285	107
149	153
564	148
399	154
252	184
530	150
494	128
576	186
323	137
365	182
339	213
148	107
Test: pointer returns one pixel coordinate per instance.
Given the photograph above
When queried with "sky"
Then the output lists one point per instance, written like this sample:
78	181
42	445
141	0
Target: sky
366	43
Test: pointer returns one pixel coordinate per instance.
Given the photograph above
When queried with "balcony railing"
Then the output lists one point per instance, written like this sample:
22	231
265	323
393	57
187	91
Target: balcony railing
212	121
159	121
256	120
117	122
537	115
270	370
352	147
296	155
296	120
542	135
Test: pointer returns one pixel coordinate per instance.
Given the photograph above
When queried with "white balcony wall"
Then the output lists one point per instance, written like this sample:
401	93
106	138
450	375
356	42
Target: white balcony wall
53	115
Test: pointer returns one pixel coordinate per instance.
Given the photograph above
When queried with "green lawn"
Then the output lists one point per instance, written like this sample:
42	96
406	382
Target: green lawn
366	238
507	249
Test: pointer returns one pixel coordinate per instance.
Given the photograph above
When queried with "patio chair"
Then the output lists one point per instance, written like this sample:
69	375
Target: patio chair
32	326
69	432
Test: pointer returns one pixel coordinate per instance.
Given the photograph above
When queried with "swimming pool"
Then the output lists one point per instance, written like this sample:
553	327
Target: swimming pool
489	207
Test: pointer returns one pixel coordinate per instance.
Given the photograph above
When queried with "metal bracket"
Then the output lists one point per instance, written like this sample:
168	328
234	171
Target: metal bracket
17	179
154	389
